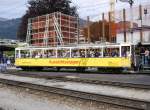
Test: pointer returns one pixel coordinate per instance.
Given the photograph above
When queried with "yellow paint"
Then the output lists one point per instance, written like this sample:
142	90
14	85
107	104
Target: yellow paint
75	62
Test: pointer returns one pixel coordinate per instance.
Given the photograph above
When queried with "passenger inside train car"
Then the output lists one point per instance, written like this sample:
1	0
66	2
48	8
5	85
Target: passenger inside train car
125	51
74	53
77	52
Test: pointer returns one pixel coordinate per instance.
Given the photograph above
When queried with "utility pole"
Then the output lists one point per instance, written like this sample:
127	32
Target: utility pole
103	27
112	20
78	31
140	17
124	25
110	36
131	2
112	9
131	9
88	23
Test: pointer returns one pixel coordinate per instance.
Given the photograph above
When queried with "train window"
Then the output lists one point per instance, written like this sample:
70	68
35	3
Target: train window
78	53
17	54
75	53
63	53
82	53
111	52
94	52
125	51
51	53
24	54
37	54
90	52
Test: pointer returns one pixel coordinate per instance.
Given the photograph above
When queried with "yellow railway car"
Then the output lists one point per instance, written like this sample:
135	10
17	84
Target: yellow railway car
79	57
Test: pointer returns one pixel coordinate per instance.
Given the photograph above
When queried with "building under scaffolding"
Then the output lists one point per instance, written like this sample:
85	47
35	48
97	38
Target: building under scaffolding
52	30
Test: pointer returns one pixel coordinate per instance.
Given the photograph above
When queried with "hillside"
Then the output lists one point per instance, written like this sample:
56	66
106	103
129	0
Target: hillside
8	28
3	19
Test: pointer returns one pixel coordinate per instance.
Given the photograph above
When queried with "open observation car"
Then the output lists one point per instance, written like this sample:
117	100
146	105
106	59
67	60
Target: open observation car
80	57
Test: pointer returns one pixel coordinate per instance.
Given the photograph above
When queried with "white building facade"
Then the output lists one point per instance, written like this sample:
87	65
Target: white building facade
136	36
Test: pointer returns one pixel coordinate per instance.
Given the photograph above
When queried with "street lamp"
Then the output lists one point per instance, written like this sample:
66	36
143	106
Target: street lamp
131	2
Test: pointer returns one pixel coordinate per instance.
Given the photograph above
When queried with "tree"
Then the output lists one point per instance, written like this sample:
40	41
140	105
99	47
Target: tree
41	7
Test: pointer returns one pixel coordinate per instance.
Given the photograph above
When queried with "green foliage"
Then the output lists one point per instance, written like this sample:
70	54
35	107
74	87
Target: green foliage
41	7
9	53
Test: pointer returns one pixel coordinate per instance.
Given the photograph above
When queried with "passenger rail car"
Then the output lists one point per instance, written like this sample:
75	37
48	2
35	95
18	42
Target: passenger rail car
79	57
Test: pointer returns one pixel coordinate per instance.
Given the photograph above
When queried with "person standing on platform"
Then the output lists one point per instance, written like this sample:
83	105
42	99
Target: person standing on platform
142	54
146	57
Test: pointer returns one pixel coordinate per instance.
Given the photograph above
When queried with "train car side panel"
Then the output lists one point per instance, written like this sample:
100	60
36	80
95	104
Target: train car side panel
74	62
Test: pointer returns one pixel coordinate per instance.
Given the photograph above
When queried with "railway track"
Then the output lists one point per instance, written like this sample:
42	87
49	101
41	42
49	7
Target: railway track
75	77
58	88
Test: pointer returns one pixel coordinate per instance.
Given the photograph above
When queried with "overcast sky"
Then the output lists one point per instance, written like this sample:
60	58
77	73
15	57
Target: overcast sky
16	8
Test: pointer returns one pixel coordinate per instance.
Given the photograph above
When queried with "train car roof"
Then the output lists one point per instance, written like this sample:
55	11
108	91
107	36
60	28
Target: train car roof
77	46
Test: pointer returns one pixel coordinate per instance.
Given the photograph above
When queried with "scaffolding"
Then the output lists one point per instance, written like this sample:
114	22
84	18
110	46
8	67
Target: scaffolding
54	29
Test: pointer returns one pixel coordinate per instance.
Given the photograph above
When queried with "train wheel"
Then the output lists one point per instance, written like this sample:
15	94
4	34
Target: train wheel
25	68
58	69
102	70
32	68
83	69
110	70
38	68
80	69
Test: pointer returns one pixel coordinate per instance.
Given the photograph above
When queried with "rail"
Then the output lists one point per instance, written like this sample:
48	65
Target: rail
124	102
